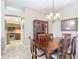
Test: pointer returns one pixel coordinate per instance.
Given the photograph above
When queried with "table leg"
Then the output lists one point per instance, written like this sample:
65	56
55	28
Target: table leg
48	55
59	52
35	52
32	57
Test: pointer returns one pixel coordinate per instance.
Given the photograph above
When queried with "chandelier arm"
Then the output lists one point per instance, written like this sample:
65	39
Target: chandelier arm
52	16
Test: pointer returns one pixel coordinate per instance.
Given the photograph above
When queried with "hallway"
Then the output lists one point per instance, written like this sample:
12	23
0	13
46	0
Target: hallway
16	50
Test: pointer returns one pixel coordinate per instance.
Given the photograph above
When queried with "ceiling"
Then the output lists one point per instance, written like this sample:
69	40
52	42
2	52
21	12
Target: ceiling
40	5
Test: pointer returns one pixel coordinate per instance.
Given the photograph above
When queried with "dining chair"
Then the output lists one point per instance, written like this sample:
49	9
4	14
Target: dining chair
32	47
43	38
69	47
74	46
63	47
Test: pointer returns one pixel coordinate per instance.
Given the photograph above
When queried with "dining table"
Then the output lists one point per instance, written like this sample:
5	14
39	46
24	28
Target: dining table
49	46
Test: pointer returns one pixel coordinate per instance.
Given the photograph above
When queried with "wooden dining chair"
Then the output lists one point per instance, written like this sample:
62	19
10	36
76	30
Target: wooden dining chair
43	38
73	51
71	48
32	47
68	50
63	45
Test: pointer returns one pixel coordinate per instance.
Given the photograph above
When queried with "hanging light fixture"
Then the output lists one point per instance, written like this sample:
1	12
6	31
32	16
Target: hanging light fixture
53	16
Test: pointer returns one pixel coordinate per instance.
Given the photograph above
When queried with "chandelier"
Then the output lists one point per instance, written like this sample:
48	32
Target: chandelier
53	16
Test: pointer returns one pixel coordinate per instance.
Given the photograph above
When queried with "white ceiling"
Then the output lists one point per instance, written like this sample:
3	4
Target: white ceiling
40	5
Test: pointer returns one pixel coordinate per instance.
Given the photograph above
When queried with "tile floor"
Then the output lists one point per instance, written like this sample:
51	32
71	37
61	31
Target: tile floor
16	50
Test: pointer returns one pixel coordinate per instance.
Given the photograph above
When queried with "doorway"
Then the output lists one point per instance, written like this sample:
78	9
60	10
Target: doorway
13	28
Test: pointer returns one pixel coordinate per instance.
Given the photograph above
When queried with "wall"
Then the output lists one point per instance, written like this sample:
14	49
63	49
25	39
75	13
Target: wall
31	15
68	12
3	42
12	19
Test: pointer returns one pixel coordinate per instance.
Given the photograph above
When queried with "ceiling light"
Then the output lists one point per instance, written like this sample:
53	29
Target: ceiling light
53	16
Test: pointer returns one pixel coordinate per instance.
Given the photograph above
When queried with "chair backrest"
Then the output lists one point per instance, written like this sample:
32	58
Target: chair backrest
44	37
40	38
48	36
51	36
74	42
63	44
66	38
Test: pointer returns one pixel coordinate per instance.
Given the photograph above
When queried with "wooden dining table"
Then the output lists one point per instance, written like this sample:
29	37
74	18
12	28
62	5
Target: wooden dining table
49	46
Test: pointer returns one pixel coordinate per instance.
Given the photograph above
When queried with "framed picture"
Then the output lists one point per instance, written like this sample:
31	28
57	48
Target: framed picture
69	24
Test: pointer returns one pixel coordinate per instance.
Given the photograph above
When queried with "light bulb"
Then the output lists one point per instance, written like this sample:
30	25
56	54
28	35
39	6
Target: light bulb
58	15
55	17
51	14
47	16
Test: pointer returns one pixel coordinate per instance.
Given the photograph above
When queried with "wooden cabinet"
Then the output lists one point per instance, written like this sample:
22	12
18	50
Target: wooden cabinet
17	36
39	27
12	26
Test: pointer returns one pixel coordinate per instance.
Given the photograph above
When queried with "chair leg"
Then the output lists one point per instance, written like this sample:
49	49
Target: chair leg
74	56
47	56
70	56
63	57
51	57
32	57
35	53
